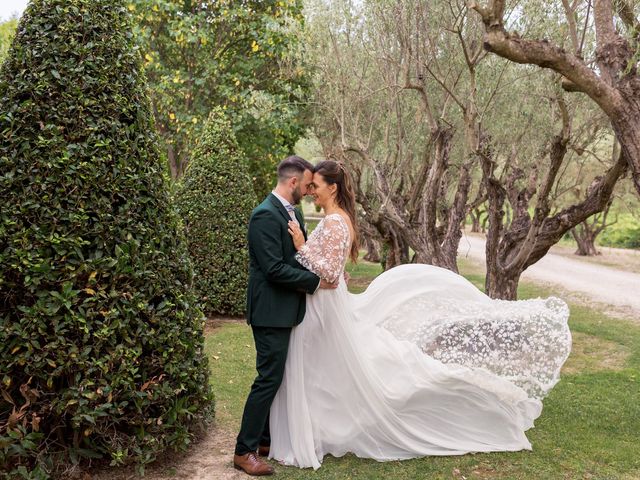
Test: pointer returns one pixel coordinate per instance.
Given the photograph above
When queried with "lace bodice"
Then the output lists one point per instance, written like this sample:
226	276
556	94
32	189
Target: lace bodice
325	252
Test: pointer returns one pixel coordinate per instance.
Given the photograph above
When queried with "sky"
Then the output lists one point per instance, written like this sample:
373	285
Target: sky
9	7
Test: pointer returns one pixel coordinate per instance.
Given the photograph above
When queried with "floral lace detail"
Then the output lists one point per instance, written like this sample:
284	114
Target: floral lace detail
525	342
325	252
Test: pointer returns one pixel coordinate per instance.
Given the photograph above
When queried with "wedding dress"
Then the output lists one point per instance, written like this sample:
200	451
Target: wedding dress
421	363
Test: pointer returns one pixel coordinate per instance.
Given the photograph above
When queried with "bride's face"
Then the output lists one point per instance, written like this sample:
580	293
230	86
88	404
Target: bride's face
323	193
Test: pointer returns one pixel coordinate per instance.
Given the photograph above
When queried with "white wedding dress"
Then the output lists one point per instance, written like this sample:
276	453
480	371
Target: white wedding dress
421	363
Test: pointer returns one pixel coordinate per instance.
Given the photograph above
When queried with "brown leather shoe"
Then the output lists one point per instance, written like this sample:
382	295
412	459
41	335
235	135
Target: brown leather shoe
263	450
251	465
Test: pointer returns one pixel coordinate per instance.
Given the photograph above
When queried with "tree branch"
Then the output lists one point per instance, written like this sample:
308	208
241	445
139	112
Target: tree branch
625	11
545	55
556	155
445	87
571	20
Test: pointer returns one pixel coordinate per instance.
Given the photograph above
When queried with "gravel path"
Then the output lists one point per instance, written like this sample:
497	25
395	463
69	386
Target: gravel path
619	290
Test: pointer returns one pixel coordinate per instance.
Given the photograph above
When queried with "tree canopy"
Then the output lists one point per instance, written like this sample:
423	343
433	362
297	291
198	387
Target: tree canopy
240	55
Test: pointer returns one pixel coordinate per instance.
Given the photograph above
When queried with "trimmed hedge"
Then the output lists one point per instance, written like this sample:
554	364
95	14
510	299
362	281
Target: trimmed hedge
215	199
101	342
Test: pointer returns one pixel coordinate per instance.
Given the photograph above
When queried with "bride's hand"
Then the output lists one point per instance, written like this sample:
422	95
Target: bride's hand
296	235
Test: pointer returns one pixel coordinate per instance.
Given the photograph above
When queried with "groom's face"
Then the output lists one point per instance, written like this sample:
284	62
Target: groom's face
302	187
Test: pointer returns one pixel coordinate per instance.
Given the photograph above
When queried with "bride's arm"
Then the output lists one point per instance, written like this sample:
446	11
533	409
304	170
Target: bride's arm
324	252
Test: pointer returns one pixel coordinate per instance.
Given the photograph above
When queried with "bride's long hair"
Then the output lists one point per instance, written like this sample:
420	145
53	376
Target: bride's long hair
334	173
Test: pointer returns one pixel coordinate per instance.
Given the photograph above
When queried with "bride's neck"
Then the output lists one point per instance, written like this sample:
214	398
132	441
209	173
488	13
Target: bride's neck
333	208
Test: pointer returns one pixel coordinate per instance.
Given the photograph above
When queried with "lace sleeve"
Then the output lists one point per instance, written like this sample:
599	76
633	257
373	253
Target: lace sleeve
325	251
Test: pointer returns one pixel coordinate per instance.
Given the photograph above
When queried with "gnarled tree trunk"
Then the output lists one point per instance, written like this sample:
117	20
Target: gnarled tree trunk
412	219
612	81
372	241
586	232
511	249
395	251
475	215
586	241
373	250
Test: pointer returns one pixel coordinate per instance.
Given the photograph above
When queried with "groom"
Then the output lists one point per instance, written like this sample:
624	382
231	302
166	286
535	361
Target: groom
275	304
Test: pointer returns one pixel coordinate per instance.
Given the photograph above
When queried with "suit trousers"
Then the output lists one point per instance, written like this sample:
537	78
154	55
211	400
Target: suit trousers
272	346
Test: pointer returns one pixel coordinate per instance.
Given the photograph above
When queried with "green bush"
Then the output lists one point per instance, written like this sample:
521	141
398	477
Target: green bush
7	31
101	343
625	233
215	199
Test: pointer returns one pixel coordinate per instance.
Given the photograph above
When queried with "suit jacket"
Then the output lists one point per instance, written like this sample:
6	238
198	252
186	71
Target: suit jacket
277	282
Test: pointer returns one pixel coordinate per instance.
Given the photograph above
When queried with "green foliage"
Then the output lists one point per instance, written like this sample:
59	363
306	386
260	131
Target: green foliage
100	334
623	234
215	199
7	32
238	55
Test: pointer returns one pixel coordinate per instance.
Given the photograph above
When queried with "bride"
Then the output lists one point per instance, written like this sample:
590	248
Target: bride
421	363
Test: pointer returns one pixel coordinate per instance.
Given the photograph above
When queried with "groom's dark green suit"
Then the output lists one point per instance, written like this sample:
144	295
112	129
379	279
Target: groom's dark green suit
275	303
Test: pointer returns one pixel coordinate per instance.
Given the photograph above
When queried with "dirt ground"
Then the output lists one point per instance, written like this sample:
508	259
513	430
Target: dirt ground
210	458
610	282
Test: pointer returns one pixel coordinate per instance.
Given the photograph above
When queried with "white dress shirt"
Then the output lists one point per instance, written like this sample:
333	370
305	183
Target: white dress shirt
290	208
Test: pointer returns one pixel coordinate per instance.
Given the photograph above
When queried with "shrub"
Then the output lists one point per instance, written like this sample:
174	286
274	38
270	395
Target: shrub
215	199
7	30
101	342
625	233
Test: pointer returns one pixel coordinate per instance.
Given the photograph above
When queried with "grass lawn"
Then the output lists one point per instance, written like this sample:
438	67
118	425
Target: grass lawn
589	427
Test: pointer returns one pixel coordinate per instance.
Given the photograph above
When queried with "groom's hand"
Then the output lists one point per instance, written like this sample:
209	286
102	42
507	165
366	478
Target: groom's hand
328	286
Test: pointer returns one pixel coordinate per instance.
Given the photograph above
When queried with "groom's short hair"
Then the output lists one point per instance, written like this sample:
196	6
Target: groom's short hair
292	166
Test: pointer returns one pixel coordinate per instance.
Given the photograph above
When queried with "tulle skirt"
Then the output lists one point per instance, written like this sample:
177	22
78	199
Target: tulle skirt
421	363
